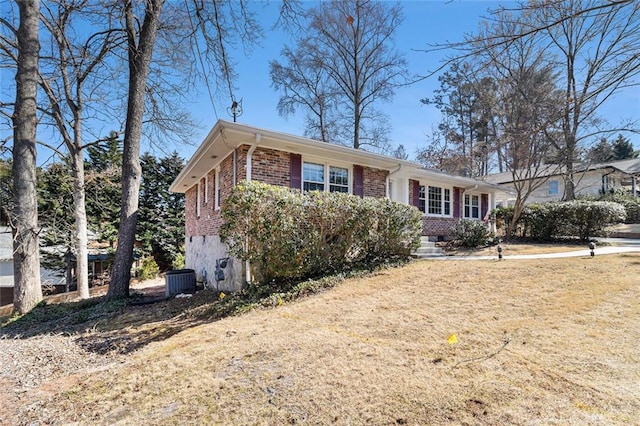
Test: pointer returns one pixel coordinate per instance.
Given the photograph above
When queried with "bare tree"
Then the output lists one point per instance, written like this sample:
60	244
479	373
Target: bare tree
598	52
593	43
527	110
306	85
207	29
529	113
350	43
74	62
466	101
140	44
26	259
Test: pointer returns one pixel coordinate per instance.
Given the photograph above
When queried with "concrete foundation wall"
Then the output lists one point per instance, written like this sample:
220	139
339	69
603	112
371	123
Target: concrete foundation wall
201	254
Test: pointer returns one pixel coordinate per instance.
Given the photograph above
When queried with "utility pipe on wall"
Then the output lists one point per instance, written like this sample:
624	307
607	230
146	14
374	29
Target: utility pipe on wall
388	181
249	153
252	148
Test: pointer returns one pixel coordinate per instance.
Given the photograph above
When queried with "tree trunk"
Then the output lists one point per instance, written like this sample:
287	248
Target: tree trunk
356	126
569	183
518	207
569	187
140	53
26	258
80	213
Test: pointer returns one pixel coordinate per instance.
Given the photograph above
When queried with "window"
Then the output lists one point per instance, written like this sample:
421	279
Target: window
552	187
314	178
338	179
421	199
435	200
216	189
472	206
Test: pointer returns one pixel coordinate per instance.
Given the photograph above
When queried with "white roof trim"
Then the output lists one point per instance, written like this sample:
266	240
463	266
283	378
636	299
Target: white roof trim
226	136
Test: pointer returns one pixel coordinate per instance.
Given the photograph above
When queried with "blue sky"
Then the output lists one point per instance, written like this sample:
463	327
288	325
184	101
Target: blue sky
426	22
431	21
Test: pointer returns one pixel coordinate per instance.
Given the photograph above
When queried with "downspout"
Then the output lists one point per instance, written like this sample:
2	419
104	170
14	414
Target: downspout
249	153
388	180
235	166
252	148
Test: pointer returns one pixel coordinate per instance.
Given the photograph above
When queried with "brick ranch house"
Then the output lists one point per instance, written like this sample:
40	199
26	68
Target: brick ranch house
233	152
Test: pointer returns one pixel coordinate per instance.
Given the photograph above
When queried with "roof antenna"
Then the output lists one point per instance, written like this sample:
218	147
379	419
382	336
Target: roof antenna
235	110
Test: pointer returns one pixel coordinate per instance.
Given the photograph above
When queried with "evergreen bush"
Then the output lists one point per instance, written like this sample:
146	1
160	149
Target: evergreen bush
588	219
580	218
470	233
286	234
631	205
148	269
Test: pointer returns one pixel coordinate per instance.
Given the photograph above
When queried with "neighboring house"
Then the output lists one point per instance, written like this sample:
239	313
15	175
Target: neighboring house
590	179
6	266
49	279
233	152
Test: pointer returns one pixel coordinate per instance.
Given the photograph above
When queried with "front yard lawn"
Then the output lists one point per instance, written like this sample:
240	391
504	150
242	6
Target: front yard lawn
538	342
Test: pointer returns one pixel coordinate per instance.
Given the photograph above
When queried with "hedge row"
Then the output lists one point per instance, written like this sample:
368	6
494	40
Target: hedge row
547	221
631	205
287	234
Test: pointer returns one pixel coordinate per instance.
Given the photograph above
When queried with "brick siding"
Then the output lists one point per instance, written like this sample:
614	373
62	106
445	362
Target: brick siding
437	226
209	221
271	166
375	182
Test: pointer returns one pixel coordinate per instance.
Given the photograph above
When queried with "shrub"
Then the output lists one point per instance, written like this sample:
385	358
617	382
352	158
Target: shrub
630	203
397	229
581	218
586	219
149	269
632	207
544	221
179	259
289	235
503	217
470	233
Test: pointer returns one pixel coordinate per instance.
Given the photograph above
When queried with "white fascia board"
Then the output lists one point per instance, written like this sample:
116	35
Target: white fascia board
225	136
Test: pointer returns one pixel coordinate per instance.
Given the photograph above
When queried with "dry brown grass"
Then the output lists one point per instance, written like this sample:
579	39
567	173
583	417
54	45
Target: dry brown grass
540	342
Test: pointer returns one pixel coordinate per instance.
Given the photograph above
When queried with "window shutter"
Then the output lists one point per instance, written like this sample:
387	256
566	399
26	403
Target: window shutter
456	202
295	164
358	181
416	193
484	205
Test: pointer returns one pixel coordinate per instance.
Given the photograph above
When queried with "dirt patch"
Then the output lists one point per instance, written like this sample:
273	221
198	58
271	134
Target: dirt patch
538	342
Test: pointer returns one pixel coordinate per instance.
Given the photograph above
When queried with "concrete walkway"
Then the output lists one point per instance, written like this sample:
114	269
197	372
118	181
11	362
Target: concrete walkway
615	246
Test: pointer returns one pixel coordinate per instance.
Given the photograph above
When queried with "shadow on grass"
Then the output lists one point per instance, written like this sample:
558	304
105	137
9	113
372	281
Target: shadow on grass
122	325
125	325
